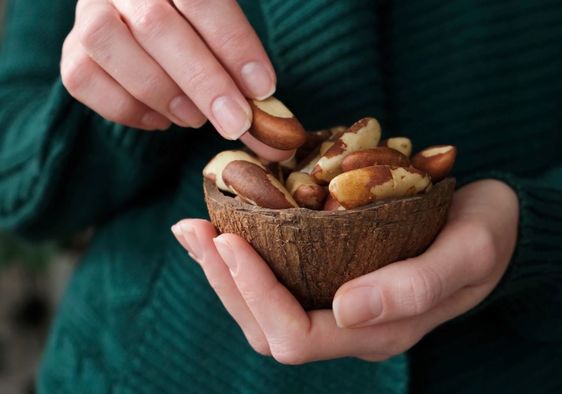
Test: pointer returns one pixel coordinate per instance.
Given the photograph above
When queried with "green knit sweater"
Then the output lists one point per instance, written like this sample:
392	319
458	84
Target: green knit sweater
139	317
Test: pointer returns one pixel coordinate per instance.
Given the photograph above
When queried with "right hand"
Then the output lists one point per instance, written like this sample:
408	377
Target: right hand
147	64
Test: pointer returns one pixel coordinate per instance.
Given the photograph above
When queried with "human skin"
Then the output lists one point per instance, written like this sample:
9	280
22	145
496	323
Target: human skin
377	315
147	64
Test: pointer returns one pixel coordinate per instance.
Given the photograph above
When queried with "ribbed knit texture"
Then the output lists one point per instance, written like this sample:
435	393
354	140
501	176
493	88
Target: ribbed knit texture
139	317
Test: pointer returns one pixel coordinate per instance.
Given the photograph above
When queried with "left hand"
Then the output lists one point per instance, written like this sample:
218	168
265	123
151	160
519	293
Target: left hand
377	315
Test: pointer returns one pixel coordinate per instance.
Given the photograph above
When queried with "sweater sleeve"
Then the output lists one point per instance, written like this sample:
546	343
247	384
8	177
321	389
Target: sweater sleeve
529	296
62	167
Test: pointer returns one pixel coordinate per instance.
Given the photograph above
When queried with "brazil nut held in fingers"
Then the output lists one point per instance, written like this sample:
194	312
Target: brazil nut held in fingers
362	186
437	161
374	156
213	170
401	144
257	186
306	192
275	125
363	134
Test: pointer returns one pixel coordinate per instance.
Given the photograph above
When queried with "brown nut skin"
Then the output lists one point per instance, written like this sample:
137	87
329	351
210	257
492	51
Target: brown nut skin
315	138
401	144
363	186
332	204
437	161
275	125
306	192
308	164
213	170
363	134
374	156
256	186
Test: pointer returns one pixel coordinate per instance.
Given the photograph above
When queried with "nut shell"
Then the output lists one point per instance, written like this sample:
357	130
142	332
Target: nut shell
314	252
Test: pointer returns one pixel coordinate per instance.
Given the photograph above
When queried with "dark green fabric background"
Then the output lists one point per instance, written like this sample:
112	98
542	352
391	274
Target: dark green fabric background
138	316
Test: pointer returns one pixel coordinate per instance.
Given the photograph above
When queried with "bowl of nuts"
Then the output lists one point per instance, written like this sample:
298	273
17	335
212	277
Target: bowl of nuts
344	205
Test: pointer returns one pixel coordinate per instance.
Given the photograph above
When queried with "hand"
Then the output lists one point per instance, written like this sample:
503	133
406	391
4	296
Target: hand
380	314
148	63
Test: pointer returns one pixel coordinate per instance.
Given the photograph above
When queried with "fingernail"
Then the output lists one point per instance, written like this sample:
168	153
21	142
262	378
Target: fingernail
191	240
154	120
180	238
257	80
227	255
356	306
233	118
176	230
183	109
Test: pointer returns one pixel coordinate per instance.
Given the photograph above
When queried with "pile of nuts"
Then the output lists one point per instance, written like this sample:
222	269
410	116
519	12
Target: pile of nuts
335	169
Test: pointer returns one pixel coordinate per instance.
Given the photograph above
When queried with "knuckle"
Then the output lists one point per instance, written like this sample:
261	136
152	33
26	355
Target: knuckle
151	17
75	73
196	79
122	112
482	252
67	44
96	29
232	40
425	288
149	89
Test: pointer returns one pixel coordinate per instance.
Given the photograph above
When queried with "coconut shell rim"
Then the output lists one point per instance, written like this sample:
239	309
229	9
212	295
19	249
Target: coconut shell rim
212	191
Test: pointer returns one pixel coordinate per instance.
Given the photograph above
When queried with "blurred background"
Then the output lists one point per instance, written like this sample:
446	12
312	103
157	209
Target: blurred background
32	279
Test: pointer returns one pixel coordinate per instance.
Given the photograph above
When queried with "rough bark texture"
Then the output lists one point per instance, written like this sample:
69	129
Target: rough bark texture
314	252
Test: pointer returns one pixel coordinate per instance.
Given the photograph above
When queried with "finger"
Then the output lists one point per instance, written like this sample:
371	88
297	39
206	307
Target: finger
177	47
392	338
414	286
296	337
227	32
265	151
109	42
89	84
278	313
197	237
325	340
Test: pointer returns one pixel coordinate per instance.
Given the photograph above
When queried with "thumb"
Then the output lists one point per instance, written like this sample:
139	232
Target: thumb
410	287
